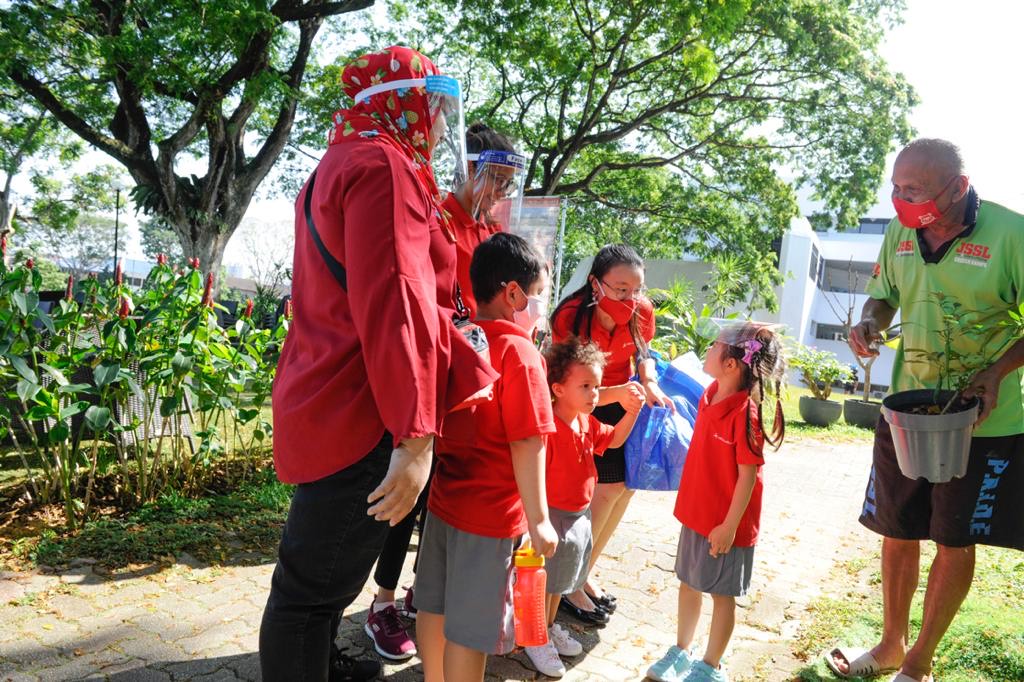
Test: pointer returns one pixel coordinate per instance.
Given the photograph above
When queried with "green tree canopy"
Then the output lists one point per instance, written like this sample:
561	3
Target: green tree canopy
680	119
165	86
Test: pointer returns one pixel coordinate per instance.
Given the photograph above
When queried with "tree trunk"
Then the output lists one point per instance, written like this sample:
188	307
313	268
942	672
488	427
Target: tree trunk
867	378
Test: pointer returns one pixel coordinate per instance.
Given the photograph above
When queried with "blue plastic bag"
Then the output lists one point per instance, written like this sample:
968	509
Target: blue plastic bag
656	448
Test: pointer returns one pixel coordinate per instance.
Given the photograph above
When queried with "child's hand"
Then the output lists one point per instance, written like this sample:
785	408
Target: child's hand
721	539
631	397
544	539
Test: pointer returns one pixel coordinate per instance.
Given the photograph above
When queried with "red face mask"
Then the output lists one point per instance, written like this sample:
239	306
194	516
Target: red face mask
619	311
916	216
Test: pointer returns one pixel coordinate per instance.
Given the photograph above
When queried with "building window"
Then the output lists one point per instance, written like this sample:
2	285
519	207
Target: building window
840	276
830	332
813	272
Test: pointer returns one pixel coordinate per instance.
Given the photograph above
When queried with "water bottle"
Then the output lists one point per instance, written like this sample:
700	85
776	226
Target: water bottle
529	598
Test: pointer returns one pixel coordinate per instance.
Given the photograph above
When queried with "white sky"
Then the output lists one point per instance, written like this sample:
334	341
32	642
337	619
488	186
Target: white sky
965	61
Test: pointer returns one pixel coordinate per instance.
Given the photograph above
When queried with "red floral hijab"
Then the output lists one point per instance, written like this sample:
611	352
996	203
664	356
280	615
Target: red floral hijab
400	117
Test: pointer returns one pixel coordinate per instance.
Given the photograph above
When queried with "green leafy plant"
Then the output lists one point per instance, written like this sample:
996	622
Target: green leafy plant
958	325
143	386
819	369
680	328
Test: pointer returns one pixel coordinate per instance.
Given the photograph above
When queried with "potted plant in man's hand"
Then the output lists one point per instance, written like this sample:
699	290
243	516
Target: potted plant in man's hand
932	427
819	369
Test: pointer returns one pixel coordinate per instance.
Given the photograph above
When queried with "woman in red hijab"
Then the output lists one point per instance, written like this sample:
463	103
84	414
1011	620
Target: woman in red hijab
372	362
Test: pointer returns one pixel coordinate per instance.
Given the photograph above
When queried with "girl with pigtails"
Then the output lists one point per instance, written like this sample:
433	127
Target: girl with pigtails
719	500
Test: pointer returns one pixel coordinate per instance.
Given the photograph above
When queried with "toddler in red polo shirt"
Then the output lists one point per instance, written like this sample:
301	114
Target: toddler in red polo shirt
574	374
488	488
719	500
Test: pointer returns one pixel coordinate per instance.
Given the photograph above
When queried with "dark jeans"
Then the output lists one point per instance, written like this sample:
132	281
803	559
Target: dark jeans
327	549
396	546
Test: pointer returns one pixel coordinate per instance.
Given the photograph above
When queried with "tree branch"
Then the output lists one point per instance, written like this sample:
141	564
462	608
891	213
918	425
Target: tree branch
78	125
289	11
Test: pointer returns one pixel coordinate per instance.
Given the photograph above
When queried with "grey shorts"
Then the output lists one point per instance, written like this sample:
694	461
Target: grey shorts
467	578
567	570
727	574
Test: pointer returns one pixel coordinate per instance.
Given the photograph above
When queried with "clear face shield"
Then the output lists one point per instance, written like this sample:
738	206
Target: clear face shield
447	132
498	179
446	138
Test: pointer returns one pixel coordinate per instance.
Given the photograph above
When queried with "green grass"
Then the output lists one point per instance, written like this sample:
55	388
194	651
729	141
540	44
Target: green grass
243	525
984	644
797	429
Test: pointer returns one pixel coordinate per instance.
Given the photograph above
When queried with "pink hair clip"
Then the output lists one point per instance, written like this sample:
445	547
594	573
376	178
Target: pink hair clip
752	346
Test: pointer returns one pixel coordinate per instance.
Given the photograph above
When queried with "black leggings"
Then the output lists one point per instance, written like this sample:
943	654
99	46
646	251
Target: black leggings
396	545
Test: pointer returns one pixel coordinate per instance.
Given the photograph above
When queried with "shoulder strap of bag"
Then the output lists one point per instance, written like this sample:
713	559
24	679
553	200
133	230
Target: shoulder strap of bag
336	268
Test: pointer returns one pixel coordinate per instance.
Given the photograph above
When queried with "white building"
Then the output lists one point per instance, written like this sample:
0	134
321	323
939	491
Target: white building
826	273
819	268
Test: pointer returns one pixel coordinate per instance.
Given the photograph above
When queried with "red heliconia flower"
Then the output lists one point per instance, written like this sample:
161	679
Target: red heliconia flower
123	311
29	263
288	309
248	308
3	245
69	291
161	259
194	262
118	274
208	291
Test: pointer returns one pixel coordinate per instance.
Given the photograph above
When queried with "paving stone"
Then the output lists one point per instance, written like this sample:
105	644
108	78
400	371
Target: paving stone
191	669
247	667
190	621
15	676
80	574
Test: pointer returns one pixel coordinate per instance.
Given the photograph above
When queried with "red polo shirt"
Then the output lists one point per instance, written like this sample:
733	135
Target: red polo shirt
571	474
469	233
718	446
384	355
474	487
617	342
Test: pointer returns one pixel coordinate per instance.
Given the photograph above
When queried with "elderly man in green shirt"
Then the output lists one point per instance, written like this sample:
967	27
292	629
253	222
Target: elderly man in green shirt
944	239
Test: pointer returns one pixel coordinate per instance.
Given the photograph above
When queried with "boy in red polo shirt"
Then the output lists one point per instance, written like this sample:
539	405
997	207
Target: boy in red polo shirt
488	487
719	500
574	374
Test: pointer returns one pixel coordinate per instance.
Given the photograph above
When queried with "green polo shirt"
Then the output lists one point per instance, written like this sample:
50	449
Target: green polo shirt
983	269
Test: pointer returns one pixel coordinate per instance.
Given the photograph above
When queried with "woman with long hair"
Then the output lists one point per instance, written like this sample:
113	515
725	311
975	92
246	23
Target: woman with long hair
612	310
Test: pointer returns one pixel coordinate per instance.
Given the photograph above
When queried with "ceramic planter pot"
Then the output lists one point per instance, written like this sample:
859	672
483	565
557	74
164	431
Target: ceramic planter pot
819	412
862	414
934	447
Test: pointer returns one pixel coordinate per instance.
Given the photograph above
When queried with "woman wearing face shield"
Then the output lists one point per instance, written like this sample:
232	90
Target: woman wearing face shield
472	204
373	361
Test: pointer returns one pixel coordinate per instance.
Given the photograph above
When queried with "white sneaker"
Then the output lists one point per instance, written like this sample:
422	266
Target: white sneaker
545	659
564	643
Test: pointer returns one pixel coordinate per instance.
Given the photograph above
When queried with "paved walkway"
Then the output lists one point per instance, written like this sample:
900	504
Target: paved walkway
194	622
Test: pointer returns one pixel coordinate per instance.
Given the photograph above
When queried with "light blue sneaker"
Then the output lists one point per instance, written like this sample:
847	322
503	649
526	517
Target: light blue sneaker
702	672
672	667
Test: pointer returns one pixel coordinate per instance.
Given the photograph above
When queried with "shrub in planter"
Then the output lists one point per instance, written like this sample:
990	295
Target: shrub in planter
819	369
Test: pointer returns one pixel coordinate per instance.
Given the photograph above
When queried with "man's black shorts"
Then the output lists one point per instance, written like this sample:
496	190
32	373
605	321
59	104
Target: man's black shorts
985	507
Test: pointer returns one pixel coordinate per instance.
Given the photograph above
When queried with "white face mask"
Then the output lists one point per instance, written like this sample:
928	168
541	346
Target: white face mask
536	310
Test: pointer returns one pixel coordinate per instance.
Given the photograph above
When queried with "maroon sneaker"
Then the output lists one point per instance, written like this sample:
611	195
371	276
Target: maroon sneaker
389	635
